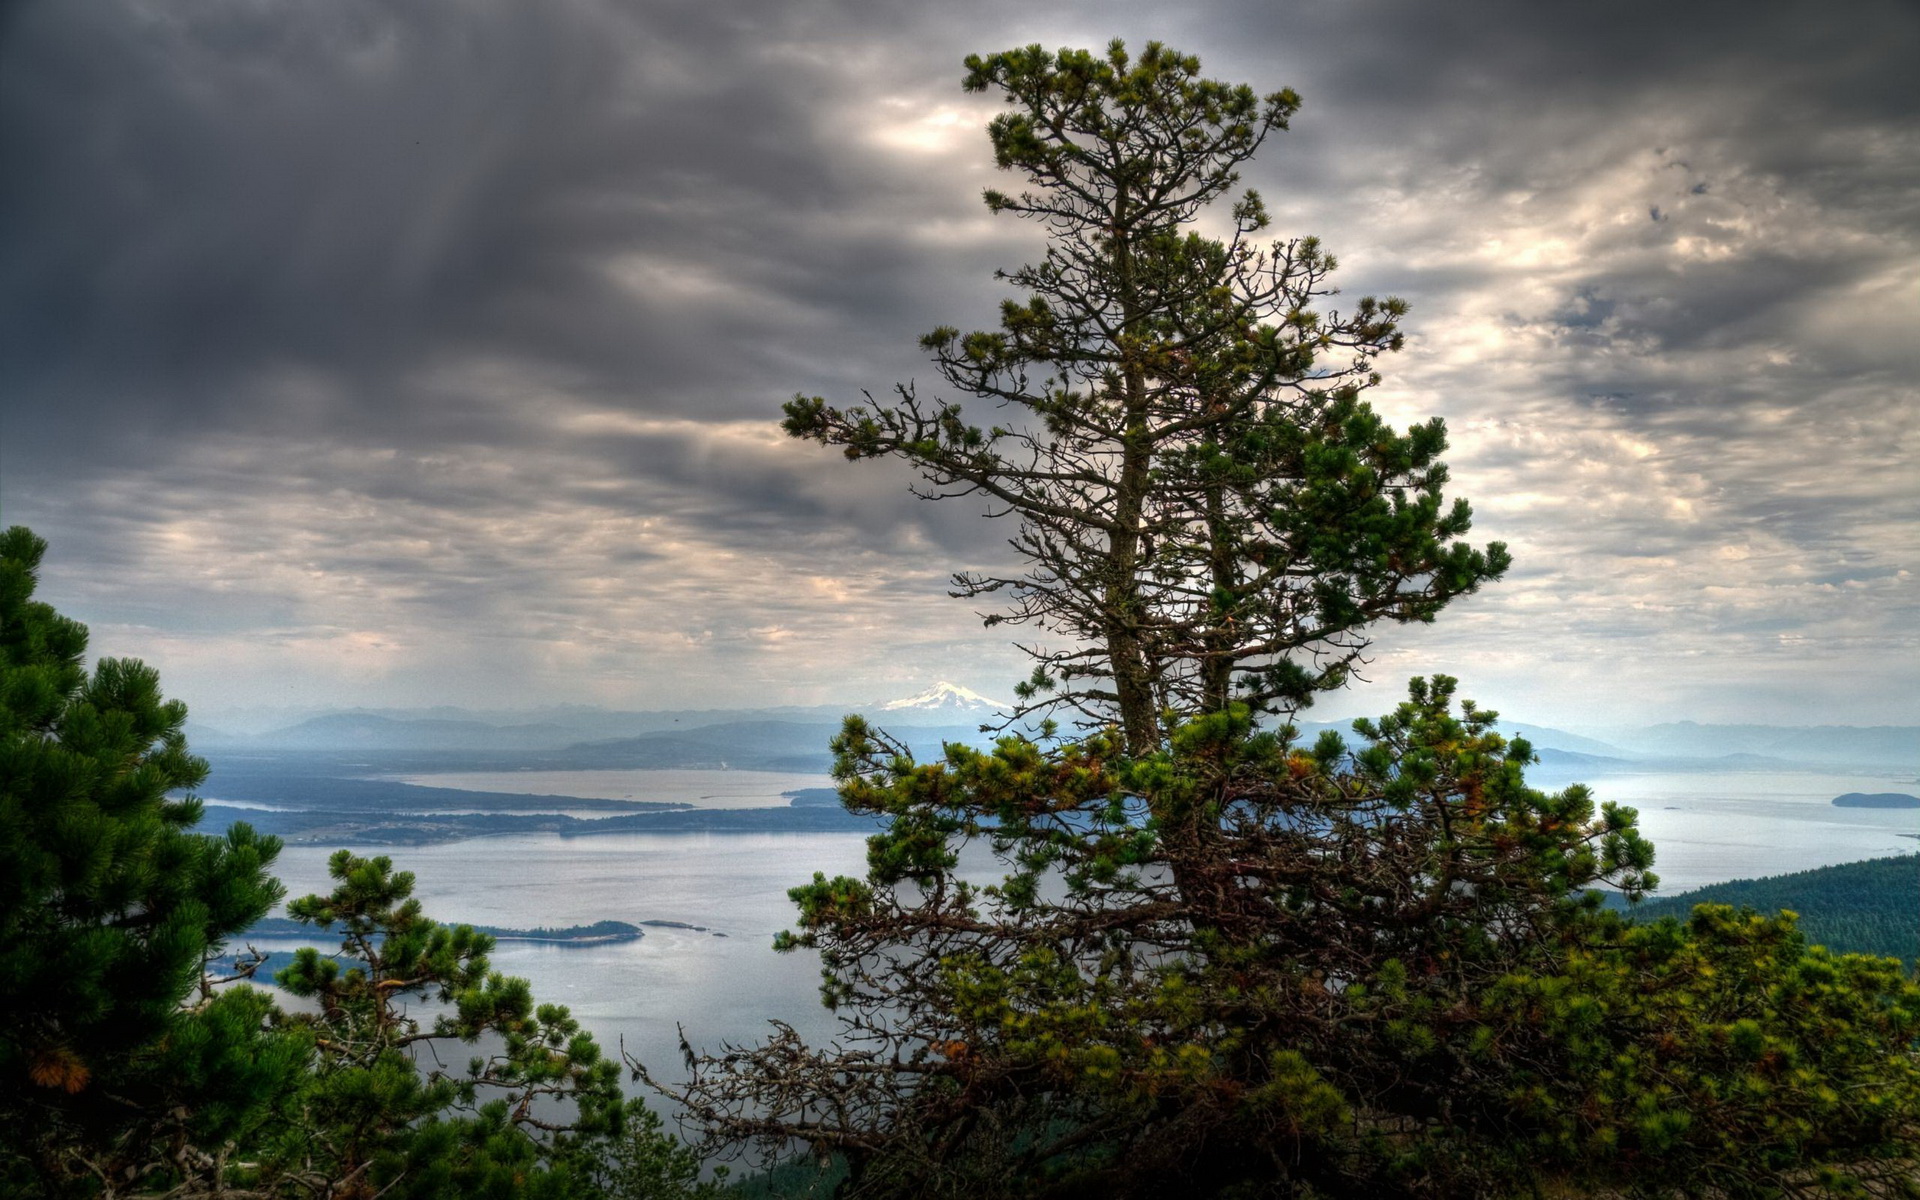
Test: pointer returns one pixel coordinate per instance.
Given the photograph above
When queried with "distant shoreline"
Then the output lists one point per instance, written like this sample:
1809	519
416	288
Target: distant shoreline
312	826
599	933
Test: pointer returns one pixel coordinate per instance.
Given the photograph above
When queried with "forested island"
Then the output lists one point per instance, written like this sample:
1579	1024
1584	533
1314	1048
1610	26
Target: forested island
1876	800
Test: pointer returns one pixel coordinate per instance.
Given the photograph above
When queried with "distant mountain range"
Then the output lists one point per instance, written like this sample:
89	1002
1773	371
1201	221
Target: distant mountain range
445	728
359	730
794	738
1852	745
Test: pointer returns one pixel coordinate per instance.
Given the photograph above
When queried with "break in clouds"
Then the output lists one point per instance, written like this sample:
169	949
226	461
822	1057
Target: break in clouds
364	353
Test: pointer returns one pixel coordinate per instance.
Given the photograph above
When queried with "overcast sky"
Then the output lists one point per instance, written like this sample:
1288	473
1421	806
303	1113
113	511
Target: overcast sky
404	353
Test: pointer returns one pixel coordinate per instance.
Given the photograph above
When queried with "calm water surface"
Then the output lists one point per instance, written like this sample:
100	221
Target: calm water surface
1706	827
720	988
703	789
1710	827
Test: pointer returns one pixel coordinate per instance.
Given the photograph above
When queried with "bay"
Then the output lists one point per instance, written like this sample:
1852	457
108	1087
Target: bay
722	984
725	983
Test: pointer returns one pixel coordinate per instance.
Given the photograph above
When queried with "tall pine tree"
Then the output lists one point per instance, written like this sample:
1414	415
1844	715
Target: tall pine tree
1209	510
1218	962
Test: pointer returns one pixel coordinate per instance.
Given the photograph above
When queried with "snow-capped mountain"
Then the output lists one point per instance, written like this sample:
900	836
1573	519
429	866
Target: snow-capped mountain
945	697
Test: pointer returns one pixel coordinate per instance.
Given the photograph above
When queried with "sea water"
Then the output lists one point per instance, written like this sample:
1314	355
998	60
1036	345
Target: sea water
722	984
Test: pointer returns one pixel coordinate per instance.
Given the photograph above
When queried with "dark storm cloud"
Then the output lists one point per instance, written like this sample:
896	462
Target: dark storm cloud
314	221
358	188
360	331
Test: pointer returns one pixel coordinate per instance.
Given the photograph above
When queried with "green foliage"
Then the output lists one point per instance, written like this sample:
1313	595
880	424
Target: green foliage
126	1070
1216	962
1209	507
110	910
1722	1056
1205	967
1244	967
538	1113
1855	908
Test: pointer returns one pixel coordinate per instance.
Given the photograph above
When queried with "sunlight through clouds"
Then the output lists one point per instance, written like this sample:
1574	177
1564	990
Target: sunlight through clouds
416	355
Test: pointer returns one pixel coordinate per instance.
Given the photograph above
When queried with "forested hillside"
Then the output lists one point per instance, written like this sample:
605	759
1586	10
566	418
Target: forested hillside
1857	908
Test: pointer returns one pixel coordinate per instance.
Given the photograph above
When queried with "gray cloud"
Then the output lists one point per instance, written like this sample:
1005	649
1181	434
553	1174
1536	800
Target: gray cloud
432	352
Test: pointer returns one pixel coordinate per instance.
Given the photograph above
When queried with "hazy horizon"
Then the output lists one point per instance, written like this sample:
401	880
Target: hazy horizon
251	722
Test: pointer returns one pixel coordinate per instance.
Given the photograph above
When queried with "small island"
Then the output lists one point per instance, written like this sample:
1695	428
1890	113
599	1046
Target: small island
599	933
1876	800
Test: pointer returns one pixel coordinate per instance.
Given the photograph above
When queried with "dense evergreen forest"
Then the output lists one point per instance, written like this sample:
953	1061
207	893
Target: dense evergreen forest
1856	908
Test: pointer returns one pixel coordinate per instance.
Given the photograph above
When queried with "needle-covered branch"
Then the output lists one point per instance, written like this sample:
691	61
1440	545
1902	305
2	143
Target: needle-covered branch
1242	962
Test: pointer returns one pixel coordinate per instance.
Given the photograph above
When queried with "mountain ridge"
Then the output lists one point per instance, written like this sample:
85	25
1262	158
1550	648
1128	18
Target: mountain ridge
1683	745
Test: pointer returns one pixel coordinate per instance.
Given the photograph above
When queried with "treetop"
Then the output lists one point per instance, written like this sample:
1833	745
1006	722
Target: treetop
1150	126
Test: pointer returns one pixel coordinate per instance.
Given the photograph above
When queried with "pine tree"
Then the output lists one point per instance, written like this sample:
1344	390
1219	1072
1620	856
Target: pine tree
111	911
1209	509
128	1068
539	1114
1219	962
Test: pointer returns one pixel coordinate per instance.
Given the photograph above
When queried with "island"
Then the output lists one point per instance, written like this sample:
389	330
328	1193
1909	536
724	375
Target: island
813	797
600	933
1876	800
